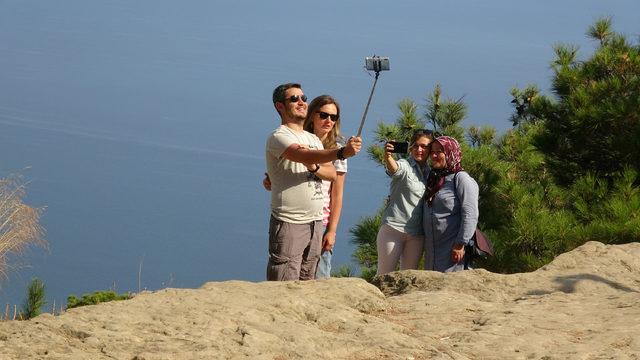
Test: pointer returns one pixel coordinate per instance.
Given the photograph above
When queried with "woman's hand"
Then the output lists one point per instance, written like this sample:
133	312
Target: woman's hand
457	253
328	241
266	182
389	162
388	148
310	166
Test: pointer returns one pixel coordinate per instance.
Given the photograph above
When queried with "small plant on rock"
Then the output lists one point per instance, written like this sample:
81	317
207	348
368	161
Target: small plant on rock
35	300
95	298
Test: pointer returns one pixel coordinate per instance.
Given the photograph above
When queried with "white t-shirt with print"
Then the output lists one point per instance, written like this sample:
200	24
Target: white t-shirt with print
296	194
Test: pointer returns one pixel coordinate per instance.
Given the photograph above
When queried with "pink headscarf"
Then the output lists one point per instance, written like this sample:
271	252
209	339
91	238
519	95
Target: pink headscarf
453	156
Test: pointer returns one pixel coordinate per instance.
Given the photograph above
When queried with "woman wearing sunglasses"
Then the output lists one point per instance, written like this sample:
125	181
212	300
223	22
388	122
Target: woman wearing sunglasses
401	236
450	208
323	120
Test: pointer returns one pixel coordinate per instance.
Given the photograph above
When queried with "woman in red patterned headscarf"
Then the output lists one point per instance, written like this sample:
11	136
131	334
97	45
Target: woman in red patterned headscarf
450	213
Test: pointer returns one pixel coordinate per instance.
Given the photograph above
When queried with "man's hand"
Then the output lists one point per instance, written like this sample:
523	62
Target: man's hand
353	146
266	182
312	167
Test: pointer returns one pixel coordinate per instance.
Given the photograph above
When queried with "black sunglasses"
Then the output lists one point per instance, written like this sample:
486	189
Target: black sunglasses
324	115
295	98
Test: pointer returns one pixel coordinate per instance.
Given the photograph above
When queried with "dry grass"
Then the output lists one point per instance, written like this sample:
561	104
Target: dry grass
19	223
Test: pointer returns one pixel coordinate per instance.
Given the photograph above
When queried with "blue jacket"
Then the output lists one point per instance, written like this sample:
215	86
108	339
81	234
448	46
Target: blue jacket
404	209
450	220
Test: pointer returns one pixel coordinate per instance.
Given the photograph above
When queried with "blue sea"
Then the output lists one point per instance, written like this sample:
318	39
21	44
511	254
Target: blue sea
121	214
139	126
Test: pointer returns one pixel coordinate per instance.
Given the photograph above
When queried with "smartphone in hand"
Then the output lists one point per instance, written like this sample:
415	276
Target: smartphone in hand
400	147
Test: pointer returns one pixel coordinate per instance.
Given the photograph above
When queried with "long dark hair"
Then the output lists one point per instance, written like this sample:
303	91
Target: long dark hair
331	141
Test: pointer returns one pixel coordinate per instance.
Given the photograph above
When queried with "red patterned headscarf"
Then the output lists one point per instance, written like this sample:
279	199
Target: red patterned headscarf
453	157
452	153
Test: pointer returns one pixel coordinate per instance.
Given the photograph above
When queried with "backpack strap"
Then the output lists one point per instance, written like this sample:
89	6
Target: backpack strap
455	183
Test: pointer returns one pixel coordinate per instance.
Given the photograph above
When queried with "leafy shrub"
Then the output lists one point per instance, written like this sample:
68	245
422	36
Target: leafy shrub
363	237
343	271
35	299
95	298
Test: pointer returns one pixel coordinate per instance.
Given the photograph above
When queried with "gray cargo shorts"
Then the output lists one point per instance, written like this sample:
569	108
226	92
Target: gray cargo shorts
294	250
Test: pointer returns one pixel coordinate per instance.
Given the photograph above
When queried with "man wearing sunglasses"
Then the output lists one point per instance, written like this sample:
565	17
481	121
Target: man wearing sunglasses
296	165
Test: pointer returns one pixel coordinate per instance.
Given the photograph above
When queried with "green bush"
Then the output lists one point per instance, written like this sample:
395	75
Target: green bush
35	300
592	124
343	271
363	236
95	298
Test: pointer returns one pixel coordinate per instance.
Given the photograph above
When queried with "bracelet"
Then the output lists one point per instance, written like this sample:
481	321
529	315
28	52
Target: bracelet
316	170
340	153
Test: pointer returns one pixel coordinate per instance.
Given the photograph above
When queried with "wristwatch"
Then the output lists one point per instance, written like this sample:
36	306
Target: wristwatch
340	153
316	170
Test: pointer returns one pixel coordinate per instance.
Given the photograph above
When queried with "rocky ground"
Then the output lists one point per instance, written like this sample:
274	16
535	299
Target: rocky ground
584	305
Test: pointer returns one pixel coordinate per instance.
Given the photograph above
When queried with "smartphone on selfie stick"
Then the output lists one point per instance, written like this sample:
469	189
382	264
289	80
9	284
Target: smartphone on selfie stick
377	64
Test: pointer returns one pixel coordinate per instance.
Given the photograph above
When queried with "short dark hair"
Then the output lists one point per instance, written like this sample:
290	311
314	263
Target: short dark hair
422	133
280	90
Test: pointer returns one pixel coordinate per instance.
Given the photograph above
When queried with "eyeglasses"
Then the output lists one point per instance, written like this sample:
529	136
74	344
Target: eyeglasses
295	98
324	116
421	146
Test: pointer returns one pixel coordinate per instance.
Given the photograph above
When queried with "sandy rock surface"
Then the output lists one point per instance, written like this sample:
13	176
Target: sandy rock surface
584	305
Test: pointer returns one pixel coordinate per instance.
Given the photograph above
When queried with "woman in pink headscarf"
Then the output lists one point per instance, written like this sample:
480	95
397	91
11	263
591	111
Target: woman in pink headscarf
450	213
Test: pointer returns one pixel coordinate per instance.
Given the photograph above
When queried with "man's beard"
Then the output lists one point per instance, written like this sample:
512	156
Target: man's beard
295	116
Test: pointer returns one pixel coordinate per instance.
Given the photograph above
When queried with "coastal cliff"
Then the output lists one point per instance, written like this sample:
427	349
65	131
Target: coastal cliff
583	305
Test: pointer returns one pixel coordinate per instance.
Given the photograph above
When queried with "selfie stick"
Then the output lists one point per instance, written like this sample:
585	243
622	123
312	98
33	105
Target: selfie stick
364	116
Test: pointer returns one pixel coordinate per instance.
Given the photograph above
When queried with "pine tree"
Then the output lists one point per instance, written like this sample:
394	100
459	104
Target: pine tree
35	299
592	125
566	173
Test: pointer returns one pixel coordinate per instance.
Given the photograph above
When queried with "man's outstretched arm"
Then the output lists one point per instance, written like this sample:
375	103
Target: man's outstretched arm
301	154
